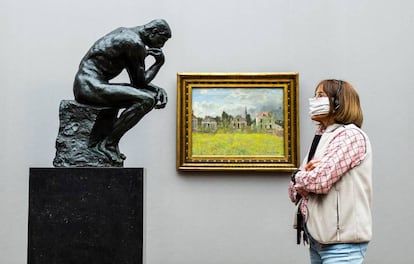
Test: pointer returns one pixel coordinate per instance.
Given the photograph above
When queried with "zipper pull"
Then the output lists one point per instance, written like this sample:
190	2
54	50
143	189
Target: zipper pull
337	233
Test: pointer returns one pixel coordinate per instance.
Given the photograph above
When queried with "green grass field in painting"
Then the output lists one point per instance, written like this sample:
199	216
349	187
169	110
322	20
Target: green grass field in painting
237	144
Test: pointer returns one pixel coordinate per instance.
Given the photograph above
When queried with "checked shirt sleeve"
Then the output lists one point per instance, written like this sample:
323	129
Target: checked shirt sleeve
345	151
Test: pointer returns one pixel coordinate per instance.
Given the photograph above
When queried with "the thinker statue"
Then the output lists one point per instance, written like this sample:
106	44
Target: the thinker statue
123	48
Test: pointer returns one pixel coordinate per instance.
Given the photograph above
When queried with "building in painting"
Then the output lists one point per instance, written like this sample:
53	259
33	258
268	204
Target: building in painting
209	123
265	120
194	123
238	122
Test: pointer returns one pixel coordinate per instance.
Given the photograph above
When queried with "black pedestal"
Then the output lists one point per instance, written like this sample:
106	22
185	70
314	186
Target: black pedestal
85	215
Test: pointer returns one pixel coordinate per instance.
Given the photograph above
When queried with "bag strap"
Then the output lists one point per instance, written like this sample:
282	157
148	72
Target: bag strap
299	216
314	145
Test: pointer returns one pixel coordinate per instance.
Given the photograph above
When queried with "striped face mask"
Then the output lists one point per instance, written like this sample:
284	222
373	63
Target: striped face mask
319	106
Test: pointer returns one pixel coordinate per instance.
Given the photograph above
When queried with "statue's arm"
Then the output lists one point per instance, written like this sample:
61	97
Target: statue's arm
135	65
159	61
136	69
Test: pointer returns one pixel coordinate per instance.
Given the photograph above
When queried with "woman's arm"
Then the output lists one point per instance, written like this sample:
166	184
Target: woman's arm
344	152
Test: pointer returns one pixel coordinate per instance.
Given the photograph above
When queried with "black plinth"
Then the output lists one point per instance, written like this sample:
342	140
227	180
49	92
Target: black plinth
85	216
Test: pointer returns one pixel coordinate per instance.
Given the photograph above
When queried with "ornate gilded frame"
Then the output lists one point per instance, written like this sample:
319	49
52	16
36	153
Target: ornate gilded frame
281	123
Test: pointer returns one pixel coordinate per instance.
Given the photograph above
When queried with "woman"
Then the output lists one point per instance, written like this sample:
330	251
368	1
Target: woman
333	188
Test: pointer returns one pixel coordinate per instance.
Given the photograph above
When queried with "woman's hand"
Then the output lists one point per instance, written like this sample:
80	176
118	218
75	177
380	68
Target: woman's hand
311	165
302	192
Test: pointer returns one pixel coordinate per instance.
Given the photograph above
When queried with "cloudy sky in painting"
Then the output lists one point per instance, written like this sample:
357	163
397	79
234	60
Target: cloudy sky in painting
234	101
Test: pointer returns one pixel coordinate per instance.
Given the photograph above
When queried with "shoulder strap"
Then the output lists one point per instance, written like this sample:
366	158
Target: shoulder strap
313	147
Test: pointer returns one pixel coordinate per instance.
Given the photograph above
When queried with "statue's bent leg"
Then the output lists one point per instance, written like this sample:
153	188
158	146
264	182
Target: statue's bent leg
137	103
128	119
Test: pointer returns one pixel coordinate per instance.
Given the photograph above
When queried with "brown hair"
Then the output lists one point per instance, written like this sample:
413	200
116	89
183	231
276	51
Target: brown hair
344	100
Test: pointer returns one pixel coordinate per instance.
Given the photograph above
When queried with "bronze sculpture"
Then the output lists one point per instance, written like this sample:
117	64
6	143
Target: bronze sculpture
123	48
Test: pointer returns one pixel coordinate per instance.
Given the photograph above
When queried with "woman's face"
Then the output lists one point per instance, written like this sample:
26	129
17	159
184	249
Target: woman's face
323	118
320	92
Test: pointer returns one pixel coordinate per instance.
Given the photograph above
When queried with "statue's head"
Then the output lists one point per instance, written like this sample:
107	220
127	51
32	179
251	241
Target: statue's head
156	33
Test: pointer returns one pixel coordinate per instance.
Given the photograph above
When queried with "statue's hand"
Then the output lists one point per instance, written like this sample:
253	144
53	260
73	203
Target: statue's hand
162	99
157	54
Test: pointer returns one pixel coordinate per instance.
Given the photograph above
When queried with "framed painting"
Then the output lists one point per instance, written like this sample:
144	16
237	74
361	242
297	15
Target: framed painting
237	121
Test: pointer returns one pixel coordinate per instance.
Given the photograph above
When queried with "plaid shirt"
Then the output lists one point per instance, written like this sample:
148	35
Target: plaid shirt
345	151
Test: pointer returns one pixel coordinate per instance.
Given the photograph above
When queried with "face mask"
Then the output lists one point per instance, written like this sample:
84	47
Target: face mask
319	106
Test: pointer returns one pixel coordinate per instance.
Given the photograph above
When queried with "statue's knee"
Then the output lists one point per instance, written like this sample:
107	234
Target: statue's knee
144	106
148	103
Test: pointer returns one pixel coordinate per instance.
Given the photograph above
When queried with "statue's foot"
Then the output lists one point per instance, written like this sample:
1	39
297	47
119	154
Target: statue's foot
120	155
112	152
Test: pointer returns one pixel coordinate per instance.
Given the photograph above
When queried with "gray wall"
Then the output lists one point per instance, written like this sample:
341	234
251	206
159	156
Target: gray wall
215	218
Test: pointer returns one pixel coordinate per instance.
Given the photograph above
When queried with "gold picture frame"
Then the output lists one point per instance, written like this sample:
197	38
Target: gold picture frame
237	121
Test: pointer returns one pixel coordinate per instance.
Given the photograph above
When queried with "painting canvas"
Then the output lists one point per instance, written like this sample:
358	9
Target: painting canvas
237	121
